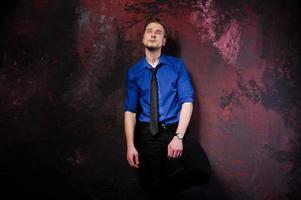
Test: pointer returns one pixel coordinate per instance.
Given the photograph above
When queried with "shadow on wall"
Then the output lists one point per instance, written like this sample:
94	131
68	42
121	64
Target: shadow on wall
172	48
212	188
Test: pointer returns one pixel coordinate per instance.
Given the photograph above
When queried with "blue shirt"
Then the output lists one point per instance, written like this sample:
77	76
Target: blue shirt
174	89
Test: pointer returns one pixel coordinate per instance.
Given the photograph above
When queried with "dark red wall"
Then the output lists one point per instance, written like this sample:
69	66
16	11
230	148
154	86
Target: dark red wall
62	74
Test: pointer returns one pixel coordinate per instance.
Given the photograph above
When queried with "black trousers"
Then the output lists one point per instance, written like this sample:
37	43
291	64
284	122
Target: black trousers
161	175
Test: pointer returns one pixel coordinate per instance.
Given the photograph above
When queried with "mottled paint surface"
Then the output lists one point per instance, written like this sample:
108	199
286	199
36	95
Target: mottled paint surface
62	74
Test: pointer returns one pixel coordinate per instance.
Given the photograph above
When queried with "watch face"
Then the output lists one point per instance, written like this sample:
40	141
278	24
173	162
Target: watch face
180	135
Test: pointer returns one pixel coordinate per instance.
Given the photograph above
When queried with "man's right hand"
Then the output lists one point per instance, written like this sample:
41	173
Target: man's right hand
133	157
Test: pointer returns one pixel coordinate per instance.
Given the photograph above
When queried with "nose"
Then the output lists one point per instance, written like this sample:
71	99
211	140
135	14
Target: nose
153	35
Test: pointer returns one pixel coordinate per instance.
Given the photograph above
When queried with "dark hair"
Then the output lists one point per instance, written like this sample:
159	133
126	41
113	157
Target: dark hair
156	20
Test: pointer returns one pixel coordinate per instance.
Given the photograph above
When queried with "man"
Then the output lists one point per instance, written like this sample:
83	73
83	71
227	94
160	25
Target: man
158	108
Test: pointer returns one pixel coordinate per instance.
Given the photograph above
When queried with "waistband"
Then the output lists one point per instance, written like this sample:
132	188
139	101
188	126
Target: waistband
161	125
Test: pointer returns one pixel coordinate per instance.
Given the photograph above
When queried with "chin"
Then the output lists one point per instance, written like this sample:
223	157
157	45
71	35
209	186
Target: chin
153	46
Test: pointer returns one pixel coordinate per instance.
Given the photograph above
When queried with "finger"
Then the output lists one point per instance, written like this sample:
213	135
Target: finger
170	155
169	152
131	162
136	161
174	154
177	153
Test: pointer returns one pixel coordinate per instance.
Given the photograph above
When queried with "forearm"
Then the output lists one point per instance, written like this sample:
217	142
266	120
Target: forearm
129	127
175	147
185	116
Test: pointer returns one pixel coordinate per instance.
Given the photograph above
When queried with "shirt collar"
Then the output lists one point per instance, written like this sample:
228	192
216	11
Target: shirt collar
162	60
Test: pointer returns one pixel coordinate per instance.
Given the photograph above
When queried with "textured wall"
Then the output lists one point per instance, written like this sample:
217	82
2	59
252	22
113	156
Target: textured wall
62	73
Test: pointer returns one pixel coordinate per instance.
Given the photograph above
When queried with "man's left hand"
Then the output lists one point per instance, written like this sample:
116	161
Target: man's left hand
175	148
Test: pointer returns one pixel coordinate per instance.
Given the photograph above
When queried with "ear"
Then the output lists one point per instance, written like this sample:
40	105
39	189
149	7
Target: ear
164	42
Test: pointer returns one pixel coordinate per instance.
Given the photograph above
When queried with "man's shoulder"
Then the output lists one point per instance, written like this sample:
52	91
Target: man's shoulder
138	65
173	61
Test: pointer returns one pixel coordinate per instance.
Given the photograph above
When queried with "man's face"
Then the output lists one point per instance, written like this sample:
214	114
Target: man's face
153	37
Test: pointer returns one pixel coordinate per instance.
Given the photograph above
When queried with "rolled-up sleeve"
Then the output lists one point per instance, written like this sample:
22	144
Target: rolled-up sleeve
184	86
132	94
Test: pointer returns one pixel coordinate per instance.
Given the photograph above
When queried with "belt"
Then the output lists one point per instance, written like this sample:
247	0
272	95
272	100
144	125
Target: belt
161	125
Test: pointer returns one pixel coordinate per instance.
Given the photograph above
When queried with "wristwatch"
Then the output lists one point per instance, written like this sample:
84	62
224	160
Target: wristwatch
180	136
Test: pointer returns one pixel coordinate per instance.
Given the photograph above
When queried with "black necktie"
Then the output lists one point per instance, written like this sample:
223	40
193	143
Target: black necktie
154	104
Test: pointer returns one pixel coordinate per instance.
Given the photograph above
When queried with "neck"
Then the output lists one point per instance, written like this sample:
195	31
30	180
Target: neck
152	55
